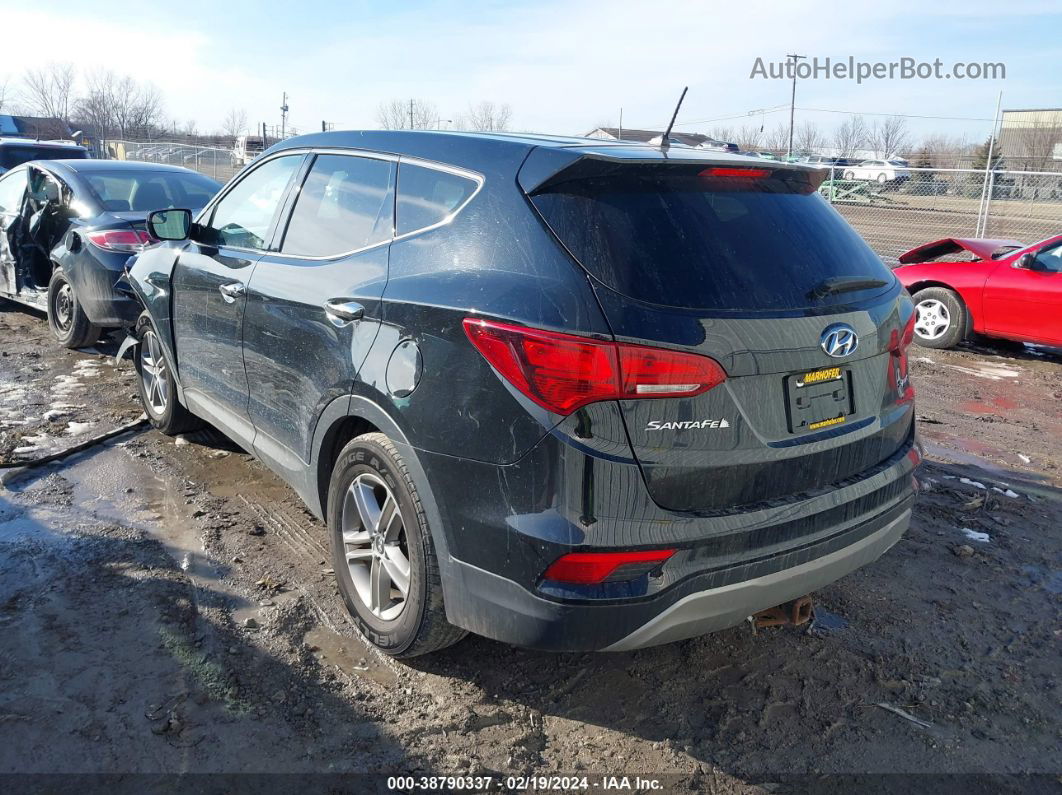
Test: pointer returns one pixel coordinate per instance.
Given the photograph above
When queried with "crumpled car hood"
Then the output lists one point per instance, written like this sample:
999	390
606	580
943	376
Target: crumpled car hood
981	248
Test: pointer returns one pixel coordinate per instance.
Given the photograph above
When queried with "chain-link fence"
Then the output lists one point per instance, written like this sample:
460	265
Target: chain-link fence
220	164
896	209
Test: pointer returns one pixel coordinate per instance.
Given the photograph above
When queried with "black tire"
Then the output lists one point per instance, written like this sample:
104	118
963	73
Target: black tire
372	463
939	304
66	317
882	179
156	387
849	175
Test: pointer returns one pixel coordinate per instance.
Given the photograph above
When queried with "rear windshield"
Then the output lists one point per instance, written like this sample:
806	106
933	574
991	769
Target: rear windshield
11	156
702	242
144	191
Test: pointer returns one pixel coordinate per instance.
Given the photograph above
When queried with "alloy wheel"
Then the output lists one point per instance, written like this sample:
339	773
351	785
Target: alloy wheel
374	544
933	320
153	374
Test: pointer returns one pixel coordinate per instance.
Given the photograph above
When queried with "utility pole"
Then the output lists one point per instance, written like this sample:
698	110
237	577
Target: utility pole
411	114
283	115
792	103
619	136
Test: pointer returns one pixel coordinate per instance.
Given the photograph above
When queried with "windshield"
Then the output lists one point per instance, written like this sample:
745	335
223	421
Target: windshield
723	244
144	191
11	156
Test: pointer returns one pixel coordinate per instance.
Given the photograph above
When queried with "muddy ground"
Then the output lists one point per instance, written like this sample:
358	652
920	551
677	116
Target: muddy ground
168	607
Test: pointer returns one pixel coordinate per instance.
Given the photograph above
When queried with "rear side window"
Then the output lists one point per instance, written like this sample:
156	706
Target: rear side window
346	203
700	242
428	196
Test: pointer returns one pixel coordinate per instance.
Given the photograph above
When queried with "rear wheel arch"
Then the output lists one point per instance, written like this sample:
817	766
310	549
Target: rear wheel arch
363	415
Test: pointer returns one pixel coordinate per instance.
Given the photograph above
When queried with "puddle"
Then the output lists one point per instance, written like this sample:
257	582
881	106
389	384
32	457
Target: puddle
350	655
992	406
830	622
110	485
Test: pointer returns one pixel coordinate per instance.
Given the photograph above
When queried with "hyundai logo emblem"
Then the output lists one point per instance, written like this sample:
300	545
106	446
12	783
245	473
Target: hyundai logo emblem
839	340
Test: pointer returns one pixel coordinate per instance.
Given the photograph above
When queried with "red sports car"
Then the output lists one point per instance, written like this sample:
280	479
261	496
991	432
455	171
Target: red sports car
1007	289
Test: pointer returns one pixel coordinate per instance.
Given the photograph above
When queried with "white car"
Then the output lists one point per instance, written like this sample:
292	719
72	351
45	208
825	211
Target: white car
880	171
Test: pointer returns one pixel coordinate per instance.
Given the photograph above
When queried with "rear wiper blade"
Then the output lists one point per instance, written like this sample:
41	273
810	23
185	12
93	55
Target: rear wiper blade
844	285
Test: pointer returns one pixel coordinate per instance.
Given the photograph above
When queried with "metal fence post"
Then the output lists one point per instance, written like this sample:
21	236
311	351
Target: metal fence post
829	193
988	202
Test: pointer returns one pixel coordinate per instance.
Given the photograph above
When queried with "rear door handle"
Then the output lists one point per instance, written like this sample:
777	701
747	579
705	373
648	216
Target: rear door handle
341	311
231	291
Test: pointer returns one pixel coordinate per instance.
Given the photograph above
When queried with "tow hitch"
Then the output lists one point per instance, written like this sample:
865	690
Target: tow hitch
796	612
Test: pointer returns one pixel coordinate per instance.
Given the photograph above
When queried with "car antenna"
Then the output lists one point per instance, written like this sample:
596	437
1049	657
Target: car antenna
665	143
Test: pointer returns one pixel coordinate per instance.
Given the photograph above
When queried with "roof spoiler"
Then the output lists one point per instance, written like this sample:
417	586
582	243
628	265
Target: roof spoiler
546	167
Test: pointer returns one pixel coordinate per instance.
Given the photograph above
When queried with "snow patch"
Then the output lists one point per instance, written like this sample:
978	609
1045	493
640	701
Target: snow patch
976	535
973	483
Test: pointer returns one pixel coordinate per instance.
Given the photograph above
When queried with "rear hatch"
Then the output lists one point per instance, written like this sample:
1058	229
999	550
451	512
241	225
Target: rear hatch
745	263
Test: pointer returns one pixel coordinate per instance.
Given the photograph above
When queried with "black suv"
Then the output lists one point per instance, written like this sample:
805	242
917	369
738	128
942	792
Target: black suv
562	393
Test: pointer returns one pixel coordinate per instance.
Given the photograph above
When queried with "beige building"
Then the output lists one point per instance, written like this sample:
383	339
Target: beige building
1031	140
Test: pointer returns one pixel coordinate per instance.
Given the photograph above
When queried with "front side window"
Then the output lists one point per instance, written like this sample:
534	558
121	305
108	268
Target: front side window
245	215
12	188
346	203
427	196
1051	258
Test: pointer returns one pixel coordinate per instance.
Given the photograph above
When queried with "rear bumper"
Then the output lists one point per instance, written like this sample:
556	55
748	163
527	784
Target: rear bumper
496	607
504	532
93	279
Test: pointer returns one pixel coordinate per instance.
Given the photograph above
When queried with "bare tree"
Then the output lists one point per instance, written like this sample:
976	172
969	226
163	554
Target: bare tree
722	134
136	106
3	93
49	90
119	105
808	138
407	114
748	137
851	134
889	137
488	116
777	140
235	122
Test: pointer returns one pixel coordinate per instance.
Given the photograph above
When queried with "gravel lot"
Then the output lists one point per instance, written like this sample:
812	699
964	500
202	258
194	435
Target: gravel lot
167	607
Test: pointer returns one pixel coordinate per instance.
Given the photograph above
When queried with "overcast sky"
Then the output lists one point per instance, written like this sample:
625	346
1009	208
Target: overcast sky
563	65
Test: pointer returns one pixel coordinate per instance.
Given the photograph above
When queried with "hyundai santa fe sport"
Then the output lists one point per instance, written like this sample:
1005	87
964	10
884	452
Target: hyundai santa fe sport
566	394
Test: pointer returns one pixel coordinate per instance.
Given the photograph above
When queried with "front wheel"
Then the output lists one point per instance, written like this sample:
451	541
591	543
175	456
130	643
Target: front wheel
882	179
156	385
66	316
941	318
849	175
382	551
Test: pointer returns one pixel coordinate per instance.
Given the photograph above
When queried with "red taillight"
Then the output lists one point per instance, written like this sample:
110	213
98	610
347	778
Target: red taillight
898	345
591	568
125	240
562	372
739	173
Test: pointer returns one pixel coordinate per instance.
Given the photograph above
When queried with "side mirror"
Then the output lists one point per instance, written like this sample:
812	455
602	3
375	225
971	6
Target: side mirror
1026	261
170	224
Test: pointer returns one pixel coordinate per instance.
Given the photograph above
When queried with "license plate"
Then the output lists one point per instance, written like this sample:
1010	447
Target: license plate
818	399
